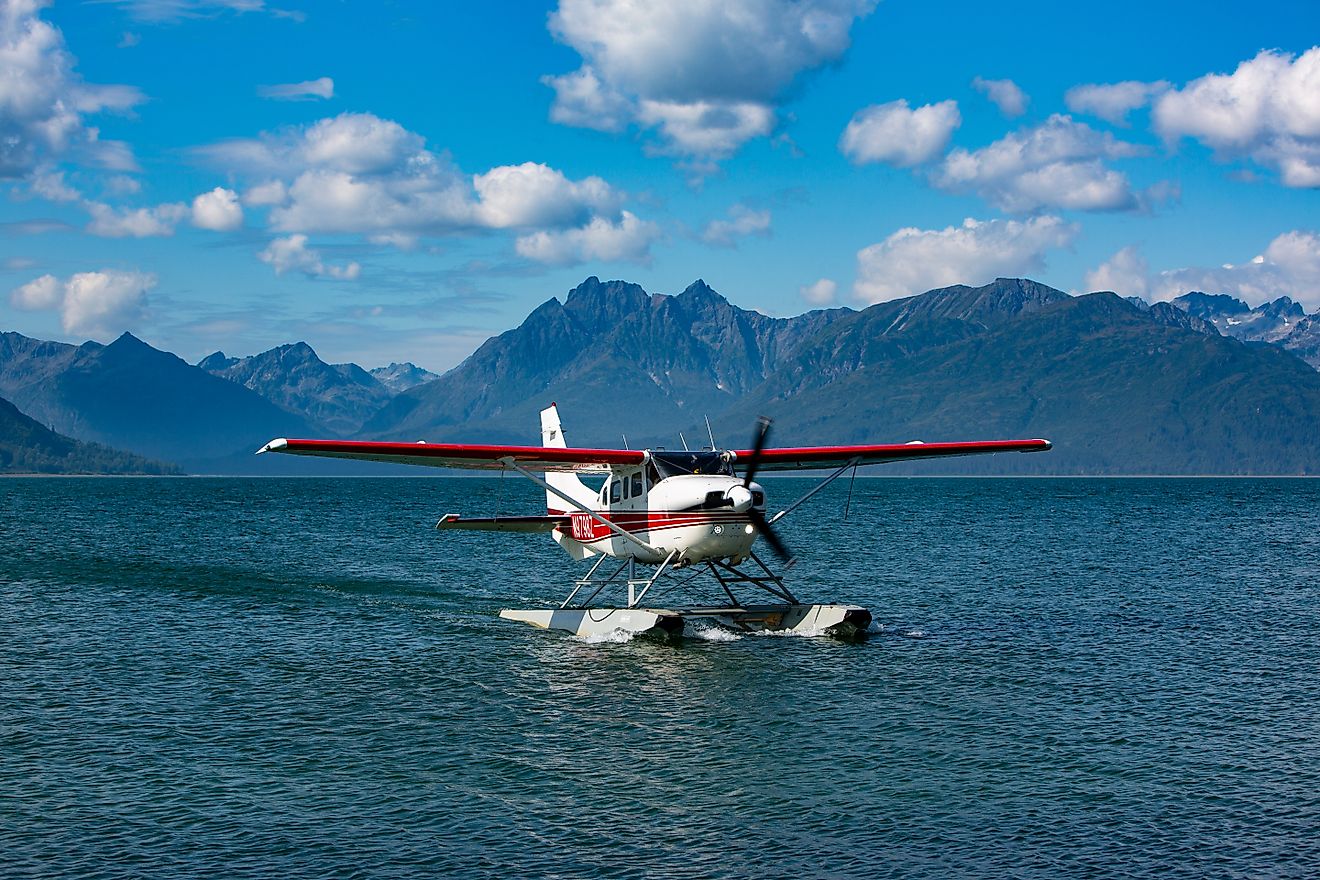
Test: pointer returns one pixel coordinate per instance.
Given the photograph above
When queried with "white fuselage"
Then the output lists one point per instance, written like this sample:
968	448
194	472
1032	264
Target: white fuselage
702	517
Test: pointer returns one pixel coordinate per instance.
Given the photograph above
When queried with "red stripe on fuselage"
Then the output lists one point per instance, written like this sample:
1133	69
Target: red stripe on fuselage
636	521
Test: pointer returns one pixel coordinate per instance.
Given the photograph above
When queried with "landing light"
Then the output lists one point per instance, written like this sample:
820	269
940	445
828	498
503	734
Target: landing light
749	529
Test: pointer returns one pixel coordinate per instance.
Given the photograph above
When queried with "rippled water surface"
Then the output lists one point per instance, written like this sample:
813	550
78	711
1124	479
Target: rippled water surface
263	678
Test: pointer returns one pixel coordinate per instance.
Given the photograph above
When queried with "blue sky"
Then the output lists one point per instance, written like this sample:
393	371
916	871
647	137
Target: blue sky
398	181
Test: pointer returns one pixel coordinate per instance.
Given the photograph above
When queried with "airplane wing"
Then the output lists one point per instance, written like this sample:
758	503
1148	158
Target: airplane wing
453	455
811	457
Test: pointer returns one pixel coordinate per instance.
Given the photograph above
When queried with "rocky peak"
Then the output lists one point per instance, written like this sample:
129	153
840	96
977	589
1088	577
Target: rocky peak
1208	306
216	362
595	303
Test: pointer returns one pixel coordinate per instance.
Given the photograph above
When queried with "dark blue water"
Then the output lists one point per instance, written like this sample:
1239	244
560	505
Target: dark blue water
265	678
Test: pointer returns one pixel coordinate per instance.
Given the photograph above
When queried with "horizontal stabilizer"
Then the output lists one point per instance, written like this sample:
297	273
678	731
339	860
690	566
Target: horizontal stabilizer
503	523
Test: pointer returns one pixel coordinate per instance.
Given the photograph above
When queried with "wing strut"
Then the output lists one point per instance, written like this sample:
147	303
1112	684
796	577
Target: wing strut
591	513
823	483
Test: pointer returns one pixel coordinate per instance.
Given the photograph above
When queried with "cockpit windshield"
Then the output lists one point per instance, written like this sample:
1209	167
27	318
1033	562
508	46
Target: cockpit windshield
673	464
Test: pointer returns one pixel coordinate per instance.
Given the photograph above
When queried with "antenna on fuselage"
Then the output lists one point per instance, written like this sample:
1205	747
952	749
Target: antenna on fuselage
683	441
625	441
710	434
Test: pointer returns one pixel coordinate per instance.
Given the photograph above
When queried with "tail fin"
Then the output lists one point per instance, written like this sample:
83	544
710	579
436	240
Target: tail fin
552	436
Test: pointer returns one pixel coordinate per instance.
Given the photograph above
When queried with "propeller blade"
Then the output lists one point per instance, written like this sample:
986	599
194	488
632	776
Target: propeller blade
764	529
758	446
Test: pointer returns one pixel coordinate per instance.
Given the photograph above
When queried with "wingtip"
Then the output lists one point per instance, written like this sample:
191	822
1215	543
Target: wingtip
273	446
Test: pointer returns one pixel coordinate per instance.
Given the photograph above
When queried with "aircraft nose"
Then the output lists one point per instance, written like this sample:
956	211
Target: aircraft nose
740	498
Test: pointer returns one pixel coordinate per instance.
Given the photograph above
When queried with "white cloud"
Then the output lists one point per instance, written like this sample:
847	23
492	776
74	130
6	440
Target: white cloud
1289	266
50	186
823	292
914	260
1126	273
160	11
1058	164
743	221
292	253
352	143
897	135
707	75
42	99
709	130
111	222
97	304
1004	94
600	240
535	195
359	174
1113	102
311	90
585	102
1268	110
218	210
271	192
46	292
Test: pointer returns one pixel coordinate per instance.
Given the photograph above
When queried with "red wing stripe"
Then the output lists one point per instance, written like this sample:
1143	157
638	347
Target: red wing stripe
479	457
806	457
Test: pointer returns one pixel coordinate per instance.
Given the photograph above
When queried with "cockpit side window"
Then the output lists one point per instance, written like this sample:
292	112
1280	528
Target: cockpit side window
616	489
637	485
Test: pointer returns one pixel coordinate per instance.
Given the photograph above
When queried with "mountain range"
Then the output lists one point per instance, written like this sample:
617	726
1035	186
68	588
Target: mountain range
1281	322
1204	384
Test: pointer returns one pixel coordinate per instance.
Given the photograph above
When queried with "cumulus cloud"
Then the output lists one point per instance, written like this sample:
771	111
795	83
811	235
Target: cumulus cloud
111	222
1113	102
1289	266
1004	94
823	292
707	76
743	221
43	100
709	130
359	174
897	135
1058	164
218	210
292	254
98	304
1268	111
312	90
600	240
1126	273
914	260
532	194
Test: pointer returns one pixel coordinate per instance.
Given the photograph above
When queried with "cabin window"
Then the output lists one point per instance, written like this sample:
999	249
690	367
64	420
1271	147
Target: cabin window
604	491
637	485
616	488
624	481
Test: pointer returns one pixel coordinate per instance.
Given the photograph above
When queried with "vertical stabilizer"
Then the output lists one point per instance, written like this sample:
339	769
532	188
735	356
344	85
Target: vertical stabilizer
552	436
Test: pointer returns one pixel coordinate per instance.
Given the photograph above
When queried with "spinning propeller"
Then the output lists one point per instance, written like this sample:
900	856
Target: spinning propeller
736	494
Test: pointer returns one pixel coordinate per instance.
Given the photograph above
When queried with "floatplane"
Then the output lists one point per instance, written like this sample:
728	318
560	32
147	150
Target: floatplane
661	517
